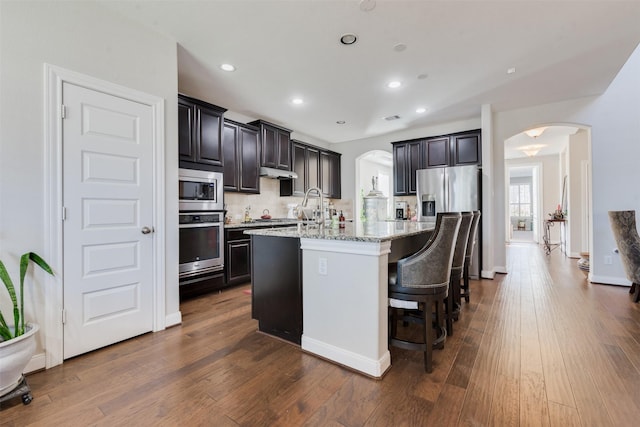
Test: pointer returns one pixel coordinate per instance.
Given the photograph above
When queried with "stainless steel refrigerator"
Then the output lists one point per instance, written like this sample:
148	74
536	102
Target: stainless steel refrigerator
451	189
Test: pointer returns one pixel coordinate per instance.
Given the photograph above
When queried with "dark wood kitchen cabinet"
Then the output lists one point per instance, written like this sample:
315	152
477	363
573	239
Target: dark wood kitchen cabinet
276	292
241	156
330	174
237	256
275	145
435	152
406	161
463	148
315	167
199	133
237	253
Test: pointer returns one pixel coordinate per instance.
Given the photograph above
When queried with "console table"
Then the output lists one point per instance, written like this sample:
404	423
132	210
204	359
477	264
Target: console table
548	246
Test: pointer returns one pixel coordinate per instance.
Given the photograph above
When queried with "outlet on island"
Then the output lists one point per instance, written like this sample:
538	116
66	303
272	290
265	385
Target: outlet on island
322	266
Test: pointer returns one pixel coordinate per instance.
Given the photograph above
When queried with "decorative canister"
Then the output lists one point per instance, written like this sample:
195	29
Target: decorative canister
375	203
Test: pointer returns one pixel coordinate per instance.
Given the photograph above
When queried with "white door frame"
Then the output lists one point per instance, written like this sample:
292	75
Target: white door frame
54	78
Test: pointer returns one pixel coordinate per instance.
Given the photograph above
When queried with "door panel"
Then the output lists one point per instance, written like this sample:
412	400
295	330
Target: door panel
108	197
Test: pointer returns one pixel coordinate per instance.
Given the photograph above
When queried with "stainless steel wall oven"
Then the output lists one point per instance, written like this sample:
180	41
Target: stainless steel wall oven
201	225
201	243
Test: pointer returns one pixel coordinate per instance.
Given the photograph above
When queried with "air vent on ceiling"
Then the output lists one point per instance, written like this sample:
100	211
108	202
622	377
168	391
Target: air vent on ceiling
390	118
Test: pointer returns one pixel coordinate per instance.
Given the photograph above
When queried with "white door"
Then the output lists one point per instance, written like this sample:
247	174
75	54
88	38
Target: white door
108	199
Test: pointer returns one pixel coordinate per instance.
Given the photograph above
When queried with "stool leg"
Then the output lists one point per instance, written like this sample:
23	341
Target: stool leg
449	313
428	336
465	275
440	320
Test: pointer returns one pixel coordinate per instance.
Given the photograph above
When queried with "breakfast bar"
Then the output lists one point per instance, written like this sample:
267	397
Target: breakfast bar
326	288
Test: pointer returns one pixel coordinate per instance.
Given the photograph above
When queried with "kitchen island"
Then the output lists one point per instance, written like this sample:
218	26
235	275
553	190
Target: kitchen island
326	288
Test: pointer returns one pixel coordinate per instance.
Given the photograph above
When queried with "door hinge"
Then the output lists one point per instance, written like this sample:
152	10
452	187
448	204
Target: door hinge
64	316
63	111
64	213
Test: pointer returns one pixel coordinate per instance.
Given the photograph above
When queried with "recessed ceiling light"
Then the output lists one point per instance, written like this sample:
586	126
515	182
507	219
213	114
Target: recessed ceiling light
394	84
367	5
511	70
227	67
421	110
341	122
297	101
348	39
400	47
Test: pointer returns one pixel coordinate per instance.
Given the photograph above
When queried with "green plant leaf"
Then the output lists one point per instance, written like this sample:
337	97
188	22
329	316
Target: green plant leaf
5	332
18	311
8	284
24	264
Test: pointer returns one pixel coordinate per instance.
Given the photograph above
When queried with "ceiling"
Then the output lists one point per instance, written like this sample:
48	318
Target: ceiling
455	58
552	141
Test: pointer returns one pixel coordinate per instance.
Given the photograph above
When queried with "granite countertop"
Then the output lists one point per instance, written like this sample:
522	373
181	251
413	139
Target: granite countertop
354	231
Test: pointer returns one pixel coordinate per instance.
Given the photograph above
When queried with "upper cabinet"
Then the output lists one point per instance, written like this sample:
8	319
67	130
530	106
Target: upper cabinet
199	133
241	155
315	167
465	148
457	149
330	174
275	145
406	160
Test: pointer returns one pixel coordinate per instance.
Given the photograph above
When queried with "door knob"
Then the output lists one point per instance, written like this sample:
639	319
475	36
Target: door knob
147	230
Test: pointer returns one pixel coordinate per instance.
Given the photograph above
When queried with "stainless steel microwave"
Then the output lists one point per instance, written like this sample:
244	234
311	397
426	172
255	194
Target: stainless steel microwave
200	190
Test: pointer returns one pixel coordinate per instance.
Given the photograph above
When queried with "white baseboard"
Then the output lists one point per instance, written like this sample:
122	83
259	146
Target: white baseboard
609	280
487	274
374	368
37	363
173	319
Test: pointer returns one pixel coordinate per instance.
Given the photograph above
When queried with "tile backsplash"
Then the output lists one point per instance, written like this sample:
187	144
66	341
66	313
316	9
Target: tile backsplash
269	198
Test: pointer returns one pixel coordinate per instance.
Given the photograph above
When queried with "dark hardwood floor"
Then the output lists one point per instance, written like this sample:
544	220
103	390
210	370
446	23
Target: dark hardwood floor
538	346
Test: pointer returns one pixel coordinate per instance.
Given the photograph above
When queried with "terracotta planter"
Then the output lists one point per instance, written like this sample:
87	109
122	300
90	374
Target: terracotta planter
14	356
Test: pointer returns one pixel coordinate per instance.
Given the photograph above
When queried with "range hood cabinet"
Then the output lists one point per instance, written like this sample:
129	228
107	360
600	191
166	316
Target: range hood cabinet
277	173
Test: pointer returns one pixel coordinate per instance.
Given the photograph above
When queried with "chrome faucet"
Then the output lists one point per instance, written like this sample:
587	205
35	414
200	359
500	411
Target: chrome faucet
320	217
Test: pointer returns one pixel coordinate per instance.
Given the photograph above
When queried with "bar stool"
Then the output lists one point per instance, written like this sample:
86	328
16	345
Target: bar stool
473	234
454	300
420	281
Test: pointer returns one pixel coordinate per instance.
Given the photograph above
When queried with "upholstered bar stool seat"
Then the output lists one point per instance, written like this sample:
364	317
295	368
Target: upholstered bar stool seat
418	287
471	244
623	224
454	299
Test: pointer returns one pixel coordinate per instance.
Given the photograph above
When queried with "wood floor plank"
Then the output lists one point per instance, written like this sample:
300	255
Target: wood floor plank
564	416
533	406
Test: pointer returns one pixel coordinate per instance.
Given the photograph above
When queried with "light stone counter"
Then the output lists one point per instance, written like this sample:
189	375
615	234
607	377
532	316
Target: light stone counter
376	232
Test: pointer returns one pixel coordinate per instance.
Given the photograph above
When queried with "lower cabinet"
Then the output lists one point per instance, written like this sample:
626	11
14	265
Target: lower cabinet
276	290
237	257
237	253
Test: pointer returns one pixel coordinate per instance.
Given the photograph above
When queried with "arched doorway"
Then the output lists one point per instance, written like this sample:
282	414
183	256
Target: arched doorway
376	163
560	156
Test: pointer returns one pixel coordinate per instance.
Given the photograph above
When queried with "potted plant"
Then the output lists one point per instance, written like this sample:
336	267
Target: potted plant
17	340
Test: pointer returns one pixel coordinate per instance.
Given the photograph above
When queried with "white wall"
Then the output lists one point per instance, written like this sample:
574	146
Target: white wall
614	119
577	154
89	39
